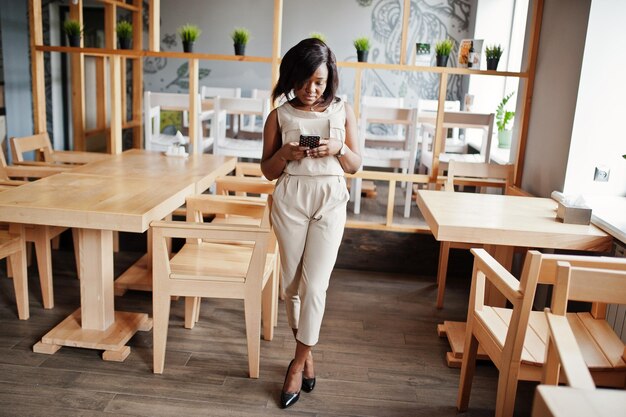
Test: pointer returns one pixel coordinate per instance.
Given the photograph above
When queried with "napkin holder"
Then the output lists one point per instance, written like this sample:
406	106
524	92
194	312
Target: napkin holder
569	212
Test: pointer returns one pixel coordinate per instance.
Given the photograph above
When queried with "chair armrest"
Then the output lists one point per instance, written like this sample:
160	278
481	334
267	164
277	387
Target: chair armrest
499	277
254	185
568	352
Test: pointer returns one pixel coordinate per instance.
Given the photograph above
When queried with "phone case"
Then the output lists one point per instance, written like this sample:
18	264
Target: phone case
311	141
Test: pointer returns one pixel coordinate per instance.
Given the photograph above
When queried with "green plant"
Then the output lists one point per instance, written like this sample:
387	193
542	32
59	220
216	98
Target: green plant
72	27
493	51
317	35
444	47
240	36
362	44
189	32
503	117
124	29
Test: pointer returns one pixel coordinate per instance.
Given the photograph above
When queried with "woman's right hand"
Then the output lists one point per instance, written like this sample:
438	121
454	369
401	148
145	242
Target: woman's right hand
292	151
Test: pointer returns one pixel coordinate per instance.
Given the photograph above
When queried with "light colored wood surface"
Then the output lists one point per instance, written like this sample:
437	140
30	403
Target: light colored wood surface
201	169
553	401
96	202
505	220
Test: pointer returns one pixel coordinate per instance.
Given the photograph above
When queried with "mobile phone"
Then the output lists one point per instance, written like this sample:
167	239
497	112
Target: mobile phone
310	141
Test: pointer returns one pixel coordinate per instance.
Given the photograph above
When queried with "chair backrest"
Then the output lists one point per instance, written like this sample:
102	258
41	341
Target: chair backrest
207	92
154	103
404	149
479	174
38	143
242	106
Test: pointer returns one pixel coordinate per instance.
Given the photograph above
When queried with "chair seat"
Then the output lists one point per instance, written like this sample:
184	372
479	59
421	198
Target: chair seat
601	347
246	148
205	260
381	156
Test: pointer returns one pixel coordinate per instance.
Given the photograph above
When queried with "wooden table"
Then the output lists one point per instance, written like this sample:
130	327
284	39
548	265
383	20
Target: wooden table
201	169
97	204
553	401
500	223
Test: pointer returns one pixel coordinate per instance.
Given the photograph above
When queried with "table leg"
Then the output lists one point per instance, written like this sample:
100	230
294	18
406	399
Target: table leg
455	330
96	325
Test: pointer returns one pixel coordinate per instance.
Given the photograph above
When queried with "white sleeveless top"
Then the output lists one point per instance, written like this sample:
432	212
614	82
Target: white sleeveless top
331	123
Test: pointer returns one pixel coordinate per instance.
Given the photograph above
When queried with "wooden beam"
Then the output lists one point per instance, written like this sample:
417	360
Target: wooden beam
110	16
77	63
154	26
37	67
121	4
406	14
137	65
101	89
123	84
114	145
195	138
439	140
357	93
278	29
529	85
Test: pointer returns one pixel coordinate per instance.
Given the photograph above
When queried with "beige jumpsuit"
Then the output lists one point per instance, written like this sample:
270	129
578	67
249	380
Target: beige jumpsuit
309	215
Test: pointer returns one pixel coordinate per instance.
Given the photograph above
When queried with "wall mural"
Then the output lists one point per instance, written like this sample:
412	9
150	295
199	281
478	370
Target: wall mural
430	21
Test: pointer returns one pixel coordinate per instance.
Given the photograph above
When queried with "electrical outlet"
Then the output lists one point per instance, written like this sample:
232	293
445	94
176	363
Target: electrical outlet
601	174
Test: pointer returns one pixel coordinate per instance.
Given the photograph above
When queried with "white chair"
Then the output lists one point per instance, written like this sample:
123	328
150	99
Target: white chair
453	149
251	124
207	97
397	155
230	145
154	103
428	112
383	135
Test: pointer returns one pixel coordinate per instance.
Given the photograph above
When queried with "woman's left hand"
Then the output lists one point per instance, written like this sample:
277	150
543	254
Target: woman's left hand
328	147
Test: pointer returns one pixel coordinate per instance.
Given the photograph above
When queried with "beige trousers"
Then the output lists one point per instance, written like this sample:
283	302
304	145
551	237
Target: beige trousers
309	216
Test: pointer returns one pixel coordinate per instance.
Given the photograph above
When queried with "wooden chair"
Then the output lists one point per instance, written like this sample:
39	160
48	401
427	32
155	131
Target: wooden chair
40	143
468	174
242	186
232	145
218	261
454	150
515	338
40	235
13	247
400	155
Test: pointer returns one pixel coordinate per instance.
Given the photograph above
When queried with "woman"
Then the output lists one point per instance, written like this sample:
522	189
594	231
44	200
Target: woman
309	208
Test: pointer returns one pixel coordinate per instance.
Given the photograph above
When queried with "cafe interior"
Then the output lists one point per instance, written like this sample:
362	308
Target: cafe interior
482	269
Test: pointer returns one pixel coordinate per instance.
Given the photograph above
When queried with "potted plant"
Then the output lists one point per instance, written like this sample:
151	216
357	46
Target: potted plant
188	34
124	32
73	30
240	37
443	49
317	35
503	118
493	54
362	46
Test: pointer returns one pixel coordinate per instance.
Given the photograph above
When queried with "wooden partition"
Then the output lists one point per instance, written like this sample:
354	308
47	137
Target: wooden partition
117	62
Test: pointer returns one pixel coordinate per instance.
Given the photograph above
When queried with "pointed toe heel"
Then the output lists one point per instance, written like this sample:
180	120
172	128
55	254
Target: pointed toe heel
287	399
308	384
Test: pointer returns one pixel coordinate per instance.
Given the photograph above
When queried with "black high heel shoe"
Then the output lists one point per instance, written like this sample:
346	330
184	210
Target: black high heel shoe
308	384
287	399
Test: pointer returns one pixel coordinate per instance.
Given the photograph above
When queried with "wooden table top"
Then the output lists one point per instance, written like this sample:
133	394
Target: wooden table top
94	202
202	169
505	220
553	401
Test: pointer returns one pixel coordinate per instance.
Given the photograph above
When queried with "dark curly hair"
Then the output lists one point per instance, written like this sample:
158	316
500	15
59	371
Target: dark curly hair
299	64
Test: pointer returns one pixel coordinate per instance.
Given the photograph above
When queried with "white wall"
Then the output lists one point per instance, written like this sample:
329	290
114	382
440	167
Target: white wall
563	32
598	135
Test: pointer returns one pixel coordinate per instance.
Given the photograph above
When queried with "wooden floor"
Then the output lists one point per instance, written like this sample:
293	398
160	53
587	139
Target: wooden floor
379	355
